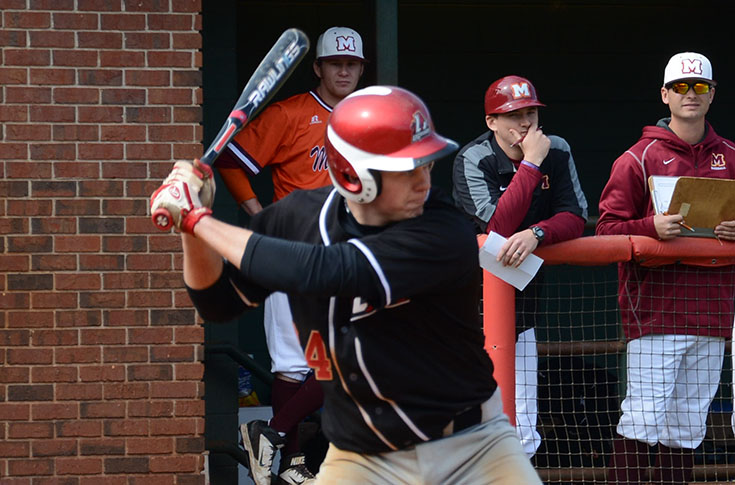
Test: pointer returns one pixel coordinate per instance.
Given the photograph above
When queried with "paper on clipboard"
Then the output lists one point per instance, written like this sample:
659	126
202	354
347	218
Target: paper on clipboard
518	277
662	189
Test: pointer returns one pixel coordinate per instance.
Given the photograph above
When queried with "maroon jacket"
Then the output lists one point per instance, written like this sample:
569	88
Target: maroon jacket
672	299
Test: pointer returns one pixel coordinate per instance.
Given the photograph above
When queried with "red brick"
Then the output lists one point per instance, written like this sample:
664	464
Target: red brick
126	354
102	373
75	21
149	299
101	188
173	426
126	318
78	318
52	114
13	76
74	356
104	446
139	390
146	77
123	133
15	338
75	58
56	373
147	114
83	428
54	263
128	427
100	40
190	445
62	132
27	57
13	113
100	77
124	244
103	336
179	464
77	96
29	356
150	446
55	411
153	372
27	20
77	391
53	76
54	447
100	114
14	412
187	40
102	410
80	281
167	280
34	467
55	338
171	353
78	466
151	409
76	244
124	22
50	38
35	132
151	262
193	408
179	390
15	449
101	151
30	430
54	225
53	300
122	59
147	40
31	319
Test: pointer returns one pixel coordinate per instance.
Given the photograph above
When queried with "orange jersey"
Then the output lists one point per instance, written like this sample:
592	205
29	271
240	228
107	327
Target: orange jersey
288	136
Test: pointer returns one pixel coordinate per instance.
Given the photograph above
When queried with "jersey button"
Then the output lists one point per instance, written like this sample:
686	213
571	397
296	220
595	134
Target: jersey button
353	377
344	330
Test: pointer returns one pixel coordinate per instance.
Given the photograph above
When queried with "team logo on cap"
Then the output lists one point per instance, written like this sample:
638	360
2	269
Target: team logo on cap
718	161
346	43
420	126
520	90
691	66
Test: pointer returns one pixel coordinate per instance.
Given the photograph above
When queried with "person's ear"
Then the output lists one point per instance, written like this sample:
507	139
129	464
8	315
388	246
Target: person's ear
491	122
665	95
317	69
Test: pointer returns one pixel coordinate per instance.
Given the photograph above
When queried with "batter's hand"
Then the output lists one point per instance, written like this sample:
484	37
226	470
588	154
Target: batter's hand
534	144
197	175
179	203
517	248
667	227
726	230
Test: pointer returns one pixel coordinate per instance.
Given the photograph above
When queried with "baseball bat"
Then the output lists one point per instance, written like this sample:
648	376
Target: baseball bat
272	72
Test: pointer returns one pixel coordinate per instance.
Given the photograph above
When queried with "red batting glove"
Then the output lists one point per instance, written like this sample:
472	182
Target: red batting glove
172	202
191	218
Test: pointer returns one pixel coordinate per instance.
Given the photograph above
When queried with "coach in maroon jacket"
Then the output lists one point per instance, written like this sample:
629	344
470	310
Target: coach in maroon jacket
675	317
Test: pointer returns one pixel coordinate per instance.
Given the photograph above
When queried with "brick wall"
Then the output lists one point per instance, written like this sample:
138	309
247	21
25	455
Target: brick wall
100	349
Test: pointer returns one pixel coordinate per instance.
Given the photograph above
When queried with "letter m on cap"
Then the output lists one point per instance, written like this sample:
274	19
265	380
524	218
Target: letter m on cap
345	43
520	90
691	66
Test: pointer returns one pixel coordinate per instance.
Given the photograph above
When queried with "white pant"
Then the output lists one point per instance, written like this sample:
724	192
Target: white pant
672	380
526	391
487	453
287	356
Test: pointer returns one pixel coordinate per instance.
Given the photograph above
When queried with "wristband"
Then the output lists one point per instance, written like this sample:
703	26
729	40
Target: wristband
529	164
193	217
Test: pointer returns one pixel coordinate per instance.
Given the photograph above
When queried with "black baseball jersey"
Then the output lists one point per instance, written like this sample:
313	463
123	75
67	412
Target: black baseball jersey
388	317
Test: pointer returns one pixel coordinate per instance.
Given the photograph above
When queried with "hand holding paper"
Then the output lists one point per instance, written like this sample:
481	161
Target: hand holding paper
518	277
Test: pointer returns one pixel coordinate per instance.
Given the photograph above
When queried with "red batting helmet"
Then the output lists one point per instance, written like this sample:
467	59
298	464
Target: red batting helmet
510	93
379	128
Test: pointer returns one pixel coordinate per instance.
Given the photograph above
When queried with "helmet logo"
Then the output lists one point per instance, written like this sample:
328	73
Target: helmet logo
345	43
691	66
520	90
420	126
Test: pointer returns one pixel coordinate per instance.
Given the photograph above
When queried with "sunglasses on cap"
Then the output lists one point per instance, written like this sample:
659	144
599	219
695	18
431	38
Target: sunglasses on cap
683	88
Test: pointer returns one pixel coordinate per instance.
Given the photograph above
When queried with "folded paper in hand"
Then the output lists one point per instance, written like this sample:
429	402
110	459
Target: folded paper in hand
518	277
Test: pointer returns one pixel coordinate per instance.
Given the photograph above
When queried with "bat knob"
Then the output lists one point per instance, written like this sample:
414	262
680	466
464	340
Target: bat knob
162	218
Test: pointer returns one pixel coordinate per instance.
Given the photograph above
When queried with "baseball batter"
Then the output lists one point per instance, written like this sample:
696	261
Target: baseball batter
516	181
385	303
675	317
289	137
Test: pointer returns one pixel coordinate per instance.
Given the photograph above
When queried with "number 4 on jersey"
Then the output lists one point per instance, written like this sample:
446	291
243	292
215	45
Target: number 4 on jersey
316	357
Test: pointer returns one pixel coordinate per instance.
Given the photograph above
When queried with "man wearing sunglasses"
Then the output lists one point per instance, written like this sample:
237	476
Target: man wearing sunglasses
675	317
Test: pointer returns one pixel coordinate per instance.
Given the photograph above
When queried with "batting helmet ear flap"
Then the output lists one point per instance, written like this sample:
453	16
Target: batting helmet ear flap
359	184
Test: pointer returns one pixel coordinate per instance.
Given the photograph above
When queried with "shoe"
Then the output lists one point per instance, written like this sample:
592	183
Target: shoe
261	442
295	472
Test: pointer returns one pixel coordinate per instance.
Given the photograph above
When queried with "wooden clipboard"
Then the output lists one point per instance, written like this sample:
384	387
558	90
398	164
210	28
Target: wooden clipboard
704	203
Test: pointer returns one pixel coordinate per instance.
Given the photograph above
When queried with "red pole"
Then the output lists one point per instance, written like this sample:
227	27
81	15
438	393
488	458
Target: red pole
499	324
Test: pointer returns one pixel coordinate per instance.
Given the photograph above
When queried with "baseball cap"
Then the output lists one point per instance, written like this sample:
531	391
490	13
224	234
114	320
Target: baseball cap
339	42
688	65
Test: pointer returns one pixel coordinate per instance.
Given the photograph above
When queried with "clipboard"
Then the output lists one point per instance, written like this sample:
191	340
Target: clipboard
704	202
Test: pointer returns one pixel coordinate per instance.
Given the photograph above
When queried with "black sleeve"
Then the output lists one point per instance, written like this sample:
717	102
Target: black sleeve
221	302
336	270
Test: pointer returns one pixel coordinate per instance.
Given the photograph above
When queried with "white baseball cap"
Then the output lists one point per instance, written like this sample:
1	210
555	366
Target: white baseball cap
339	42
688	65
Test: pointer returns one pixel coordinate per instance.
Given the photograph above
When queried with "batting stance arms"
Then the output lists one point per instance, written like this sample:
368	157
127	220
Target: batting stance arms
385	303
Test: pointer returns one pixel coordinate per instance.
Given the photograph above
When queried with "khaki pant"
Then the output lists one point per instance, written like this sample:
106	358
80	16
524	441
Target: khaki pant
488	453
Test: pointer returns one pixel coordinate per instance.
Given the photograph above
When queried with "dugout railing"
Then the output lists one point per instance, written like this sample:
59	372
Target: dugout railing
581	352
